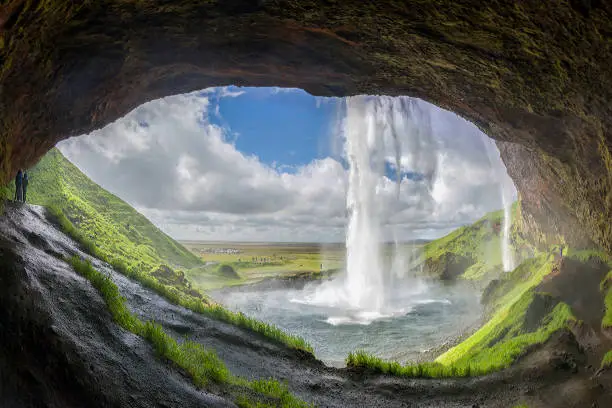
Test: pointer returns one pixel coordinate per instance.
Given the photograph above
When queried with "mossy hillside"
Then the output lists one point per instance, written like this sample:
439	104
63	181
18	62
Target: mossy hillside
589	255
519	317
202	365
606	362
115	226
60	186
510	328
606	289
183	296
471	252
506	337
510	286
494	347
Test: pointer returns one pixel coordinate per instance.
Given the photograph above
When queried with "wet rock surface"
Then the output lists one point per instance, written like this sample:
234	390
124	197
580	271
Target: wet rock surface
60	348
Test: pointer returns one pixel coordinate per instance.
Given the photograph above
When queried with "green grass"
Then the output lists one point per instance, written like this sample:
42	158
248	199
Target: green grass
508	304
474	249
202	306
606	287
586	255
202	365
512	285
509	333
117	228
494	347
363	360
52	184
256	262
606	362
110	293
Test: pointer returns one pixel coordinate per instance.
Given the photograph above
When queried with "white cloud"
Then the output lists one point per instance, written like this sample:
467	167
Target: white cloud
181	171
225	92
276	90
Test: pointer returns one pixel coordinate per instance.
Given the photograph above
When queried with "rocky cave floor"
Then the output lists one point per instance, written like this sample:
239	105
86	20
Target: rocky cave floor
59	347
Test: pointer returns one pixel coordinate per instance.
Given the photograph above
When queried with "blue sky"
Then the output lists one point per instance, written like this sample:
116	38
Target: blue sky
267	165
280	126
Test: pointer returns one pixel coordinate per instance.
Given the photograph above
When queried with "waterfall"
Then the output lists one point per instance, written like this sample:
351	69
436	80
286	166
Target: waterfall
372	131
505	192
364	283
507	254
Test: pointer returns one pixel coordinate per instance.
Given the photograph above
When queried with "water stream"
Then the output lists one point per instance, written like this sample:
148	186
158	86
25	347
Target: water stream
505	192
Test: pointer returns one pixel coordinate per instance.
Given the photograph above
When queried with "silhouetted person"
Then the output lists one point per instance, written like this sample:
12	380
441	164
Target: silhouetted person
25	185
19	185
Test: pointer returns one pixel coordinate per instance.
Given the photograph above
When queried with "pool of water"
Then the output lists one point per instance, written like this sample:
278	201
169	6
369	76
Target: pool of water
420	316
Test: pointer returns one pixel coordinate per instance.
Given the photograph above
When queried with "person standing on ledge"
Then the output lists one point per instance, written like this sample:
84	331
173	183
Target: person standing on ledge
25	185
18	185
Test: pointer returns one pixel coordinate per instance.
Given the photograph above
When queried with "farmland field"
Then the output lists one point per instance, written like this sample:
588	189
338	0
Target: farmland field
253	262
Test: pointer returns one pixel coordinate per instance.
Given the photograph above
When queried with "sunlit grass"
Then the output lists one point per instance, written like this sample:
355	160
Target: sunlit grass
606	287
478	246
202	365
498	343
363	360
110	293
116	227
505	331
586	255
177	297
606	362
478	356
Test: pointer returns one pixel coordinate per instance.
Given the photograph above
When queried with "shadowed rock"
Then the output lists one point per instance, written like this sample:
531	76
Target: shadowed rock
535	76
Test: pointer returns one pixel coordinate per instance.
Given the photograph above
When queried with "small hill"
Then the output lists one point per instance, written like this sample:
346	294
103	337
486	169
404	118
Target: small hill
227	271
472	252
114	226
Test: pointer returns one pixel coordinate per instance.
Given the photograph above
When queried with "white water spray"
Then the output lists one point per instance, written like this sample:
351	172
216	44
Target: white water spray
507	254
371	132
505	191
365	281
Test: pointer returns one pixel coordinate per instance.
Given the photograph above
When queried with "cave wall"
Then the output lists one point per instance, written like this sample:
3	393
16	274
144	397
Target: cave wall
535	75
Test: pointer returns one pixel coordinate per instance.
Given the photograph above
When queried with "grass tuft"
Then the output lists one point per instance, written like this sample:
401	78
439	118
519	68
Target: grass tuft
497	344
110	293
202	365
606	287
177	297
606	362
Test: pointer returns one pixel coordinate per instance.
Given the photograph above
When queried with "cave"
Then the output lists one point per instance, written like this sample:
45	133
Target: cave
534	76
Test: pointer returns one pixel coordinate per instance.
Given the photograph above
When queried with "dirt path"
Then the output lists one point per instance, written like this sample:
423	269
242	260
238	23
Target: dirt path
89	361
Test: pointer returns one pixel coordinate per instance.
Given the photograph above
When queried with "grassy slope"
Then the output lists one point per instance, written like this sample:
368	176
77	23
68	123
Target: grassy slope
115	226
501	340
203	366
509	303
607	360
475	249
96	222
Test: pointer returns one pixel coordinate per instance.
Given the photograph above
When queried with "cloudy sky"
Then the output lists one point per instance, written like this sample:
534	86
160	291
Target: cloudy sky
269	164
